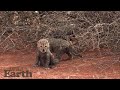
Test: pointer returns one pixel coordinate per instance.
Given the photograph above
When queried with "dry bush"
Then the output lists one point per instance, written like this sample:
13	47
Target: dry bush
20	30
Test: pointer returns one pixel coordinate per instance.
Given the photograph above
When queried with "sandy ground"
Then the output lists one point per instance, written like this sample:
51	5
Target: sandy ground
91	66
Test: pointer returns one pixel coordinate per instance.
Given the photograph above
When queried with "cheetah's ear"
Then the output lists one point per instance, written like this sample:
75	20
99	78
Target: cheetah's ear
38	42
48	45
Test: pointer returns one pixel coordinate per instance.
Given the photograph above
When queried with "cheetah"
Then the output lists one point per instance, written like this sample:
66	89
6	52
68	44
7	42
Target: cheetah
61	46
44	57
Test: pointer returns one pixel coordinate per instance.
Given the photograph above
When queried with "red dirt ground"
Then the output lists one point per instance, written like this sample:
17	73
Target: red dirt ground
88	67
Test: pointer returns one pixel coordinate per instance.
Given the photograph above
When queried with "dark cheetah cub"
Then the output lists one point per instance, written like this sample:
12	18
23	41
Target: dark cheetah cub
44	57
61	46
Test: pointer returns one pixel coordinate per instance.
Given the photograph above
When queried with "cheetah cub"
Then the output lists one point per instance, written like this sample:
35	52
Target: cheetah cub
44	57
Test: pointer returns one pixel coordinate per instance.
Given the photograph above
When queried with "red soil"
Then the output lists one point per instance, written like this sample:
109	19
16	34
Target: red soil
88	67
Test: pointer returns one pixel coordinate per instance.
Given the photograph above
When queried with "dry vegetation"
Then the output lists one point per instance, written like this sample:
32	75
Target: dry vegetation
93	29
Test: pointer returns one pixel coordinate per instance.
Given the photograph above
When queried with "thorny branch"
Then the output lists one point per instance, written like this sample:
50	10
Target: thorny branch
32	26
